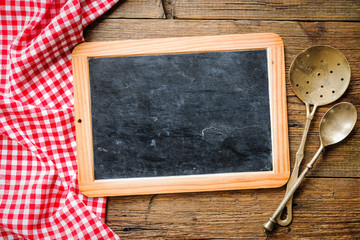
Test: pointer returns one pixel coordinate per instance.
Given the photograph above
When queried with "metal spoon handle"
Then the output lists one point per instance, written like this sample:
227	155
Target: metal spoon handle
270	224
298	160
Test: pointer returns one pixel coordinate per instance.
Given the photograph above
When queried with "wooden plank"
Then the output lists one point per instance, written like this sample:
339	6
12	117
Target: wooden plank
342	160
136	9
323	208
170	184
331	10
297	34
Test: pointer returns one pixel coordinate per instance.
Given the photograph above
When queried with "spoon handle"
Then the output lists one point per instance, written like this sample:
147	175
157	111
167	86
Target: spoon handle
270	224
295	172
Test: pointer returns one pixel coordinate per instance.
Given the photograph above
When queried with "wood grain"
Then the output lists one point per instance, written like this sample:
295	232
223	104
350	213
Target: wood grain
82	119
342	160
323	209
91	187
136	9
296	35
331	10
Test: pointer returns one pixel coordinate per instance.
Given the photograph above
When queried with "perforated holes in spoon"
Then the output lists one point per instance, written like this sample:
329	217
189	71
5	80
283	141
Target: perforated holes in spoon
319	70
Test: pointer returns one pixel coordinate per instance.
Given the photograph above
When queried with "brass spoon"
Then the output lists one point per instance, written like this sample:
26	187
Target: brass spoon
318	76
336	125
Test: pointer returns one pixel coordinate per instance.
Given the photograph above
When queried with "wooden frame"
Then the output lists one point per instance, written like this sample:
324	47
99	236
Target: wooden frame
209	182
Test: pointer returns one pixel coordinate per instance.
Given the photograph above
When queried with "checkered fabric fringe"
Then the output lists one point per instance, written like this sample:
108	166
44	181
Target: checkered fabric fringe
39	195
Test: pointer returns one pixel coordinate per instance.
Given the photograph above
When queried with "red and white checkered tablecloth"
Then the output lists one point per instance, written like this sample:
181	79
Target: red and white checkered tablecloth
39	195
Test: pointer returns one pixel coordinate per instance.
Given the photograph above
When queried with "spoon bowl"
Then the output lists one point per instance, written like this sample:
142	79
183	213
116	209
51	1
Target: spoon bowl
320	75
337	123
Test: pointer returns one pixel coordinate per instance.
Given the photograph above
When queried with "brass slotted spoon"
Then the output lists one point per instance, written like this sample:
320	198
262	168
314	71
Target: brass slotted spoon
319	75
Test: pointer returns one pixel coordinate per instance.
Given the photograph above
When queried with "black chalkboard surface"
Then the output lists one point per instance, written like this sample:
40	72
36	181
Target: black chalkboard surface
180	114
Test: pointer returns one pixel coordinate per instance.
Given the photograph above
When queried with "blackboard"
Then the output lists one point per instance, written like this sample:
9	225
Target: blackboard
181	114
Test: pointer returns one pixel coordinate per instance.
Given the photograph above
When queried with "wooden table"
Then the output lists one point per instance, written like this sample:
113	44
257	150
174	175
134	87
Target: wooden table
327	205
